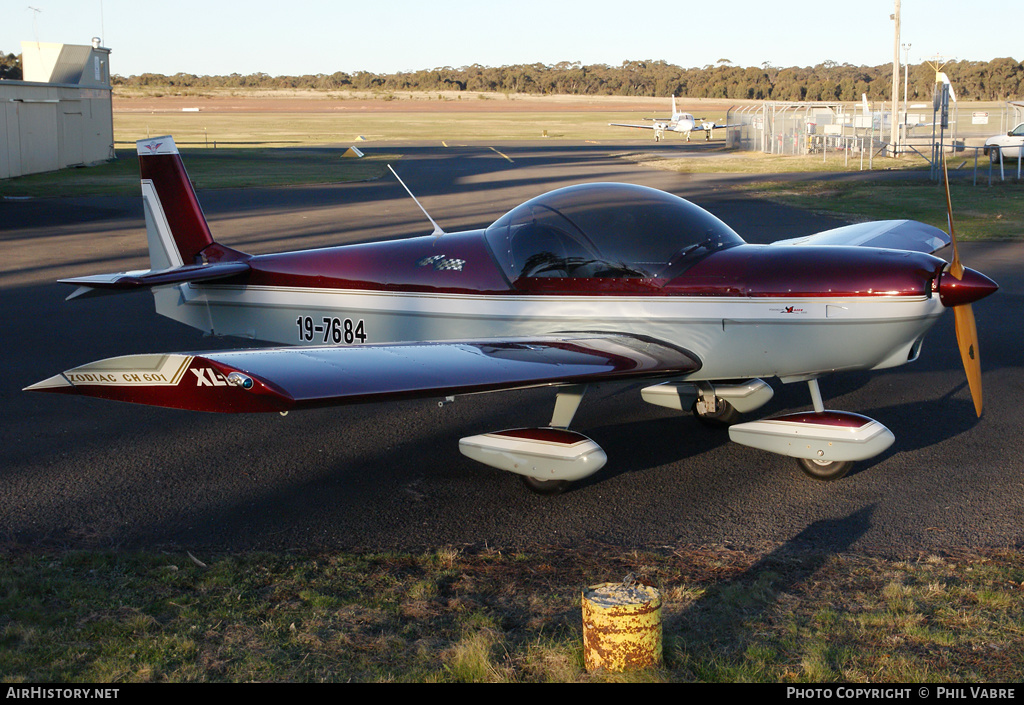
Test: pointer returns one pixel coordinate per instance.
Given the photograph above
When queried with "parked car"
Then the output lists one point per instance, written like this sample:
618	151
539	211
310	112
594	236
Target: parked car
1009	144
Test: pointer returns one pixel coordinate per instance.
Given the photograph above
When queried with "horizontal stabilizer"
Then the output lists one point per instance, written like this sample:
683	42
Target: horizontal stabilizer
888	234
100	284
279	379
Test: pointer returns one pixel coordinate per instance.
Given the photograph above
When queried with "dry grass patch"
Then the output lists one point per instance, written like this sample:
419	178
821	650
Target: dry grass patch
478	615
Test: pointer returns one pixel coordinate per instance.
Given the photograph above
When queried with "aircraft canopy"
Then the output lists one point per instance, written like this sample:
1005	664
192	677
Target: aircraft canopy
606	230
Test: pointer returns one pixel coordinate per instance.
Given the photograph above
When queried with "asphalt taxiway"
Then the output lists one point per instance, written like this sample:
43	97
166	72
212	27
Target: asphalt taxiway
85	473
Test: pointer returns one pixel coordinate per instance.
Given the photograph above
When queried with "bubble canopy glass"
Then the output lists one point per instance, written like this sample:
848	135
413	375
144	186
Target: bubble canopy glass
606	230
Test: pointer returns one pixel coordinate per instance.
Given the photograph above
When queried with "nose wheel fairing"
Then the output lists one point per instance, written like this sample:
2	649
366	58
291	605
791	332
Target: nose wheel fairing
824	436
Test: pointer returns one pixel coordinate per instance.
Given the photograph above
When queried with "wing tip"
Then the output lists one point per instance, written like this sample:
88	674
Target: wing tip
57	383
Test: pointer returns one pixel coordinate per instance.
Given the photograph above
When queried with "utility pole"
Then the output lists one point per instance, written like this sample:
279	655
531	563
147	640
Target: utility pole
895	81
940	111
906	81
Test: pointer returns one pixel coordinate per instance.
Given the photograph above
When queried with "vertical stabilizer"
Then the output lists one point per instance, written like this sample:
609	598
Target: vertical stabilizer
175	225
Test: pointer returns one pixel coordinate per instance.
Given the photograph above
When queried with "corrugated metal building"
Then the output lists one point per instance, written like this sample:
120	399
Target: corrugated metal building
61	114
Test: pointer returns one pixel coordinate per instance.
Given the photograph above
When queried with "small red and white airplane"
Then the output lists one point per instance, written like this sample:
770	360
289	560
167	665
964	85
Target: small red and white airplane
594	283
679	122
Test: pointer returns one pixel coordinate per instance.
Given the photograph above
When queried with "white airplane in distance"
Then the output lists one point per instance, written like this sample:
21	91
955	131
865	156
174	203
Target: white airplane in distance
679	122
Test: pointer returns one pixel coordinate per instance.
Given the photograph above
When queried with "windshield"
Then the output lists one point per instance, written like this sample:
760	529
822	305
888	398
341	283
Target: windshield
606	231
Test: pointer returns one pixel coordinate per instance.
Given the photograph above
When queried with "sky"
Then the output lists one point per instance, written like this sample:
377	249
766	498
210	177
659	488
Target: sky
320	36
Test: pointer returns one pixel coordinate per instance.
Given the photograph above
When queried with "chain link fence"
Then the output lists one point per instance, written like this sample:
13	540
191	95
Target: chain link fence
862	132
797	129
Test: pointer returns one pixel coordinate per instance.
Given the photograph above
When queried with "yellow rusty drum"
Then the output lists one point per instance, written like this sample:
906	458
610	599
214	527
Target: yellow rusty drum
621	627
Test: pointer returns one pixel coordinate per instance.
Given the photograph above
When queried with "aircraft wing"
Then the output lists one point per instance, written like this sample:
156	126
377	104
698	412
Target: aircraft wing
281	379
712	126
889	234
642	127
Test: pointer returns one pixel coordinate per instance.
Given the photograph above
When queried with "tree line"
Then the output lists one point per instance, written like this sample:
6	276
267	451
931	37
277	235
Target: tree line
10	66
999	79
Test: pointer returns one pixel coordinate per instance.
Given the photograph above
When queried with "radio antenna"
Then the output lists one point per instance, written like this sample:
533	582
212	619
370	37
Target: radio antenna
438	232
35	26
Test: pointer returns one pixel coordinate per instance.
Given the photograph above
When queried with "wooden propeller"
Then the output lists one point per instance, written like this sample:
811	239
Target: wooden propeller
966	330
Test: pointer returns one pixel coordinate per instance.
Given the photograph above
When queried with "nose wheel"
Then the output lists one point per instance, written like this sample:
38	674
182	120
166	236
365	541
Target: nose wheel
824	470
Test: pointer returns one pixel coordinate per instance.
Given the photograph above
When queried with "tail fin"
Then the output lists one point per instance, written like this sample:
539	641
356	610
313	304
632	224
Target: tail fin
175	225
181	248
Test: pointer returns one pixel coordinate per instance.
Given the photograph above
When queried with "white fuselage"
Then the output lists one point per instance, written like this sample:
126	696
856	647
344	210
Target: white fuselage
734	337
683	122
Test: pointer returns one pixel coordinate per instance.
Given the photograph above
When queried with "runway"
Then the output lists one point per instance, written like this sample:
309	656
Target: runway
83	473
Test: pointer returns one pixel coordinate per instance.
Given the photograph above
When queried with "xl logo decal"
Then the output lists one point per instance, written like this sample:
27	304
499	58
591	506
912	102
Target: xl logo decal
209	377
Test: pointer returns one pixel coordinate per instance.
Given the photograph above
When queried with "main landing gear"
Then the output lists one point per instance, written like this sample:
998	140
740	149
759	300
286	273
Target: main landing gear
549	459
825	444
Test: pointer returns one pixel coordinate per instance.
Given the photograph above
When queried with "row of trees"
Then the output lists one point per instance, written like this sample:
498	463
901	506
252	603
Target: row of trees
999	79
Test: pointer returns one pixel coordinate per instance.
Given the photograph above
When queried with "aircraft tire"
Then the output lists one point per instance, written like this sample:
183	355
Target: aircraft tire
545	487
826	471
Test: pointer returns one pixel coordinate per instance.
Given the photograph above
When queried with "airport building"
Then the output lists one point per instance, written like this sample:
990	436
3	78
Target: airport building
60	115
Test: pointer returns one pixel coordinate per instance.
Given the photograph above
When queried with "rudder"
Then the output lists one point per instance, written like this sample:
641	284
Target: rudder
175	225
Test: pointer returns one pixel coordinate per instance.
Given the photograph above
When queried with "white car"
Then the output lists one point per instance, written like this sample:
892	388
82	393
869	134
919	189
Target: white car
1009	144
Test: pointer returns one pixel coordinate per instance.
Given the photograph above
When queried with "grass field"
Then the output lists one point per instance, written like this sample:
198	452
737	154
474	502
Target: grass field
979	213
309	129
453	615
725	161
269	120
836	185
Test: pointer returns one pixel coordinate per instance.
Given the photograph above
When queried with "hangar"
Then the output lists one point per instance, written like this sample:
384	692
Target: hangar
60	115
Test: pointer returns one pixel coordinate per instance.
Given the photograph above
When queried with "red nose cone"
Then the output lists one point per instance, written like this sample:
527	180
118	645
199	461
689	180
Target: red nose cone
956	292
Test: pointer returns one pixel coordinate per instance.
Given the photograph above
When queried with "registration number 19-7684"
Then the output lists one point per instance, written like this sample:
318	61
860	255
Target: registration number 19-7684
331	330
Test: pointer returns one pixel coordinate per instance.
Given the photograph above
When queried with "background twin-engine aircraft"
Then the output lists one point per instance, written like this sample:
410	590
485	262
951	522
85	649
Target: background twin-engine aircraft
679	122
594	283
